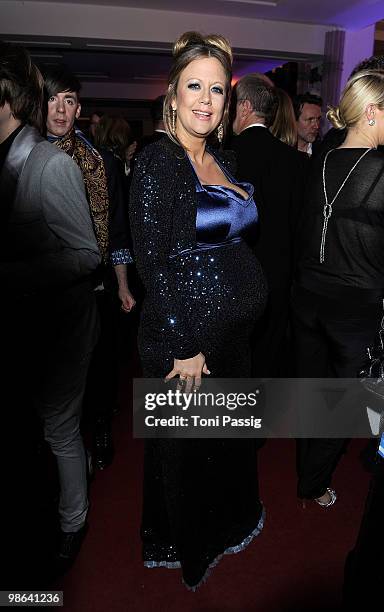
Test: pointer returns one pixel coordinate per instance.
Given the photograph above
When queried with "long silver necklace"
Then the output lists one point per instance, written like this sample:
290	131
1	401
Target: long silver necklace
327	210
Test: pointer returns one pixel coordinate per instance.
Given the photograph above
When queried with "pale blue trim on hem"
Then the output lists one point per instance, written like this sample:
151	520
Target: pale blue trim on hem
232	550
167	564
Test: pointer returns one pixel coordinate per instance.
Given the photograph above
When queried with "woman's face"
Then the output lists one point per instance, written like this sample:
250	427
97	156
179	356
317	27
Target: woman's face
200	98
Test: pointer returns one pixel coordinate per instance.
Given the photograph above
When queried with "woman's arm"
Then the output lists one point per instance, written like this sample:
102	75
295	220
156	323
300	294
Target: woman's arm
151	207
120	255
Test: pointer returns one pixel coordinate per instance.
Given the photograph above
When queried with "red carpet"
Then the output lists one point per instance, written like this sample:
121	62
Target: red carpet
296	564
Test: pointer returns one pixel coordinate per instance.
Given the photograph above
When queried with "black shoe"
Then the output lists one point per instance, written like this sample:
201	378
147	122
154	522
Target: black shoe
69	546
103	450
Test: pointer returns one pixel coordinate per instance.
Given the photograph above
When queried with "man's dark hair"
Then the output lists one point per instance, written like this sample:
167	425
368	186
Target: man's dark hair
157	108
21	85
60	80
255	88
306	98
375	62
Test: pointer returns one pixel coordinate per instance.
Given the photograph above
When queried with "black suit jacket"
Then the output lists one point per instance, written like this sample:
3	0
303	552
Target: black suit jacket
146	140
277	172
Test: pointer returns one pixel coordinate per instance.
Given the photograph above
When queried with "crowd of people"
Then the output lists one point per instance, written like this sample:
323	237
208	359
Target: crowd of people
259	248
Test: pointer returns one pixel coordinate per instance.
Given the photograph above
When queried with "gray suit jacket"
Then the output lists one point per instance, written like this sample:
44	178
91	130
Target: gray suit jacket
47	241
48	252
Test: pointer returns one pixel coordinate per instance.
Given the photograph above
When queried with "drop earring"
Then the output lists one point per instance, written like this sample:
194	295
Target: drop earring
371	122
220	133
173	121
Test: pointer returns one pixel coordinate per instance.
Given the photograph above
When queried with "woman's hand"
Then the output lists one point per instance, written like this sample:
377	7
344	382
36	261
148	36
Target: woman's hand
127	299
189	371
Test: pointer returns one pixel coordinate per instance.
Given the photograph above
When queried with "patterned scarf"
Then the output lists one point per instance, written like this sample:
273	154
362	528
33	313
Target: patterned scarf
95	181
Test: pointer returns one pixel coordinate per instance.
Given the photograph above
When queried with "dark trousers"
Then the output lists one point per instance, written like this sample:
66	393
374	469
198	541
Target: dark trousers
101	395
47	341
364	567
330	338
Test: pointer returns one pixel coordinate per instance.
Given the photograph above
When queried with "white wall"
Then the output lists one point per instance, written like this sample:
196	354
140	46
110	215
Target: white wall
358	45
124	23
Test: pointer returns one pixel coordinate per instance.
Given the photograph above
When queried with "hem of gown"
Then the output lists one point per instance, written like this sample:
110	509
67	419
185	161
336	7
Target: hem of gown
228	551
167	564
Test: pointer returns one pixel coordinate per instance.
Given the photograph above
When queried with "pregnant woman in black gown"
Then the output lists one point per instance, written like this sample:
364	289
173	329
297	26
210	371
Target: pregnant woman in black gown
192	224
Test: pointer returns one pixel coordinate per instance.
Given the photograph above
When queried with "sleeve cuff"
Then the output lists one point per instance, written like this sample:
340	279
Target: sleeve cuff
121	256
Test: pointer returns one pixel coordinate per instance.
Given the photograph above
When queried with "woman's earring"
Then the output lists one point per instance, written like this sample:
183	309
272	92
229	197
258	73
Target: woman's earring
220	133
371	122
173	121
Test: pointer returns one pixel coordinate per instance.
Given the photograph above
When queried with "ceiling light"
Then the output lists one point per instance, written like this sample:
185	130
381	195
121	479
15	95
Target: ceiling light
40	43
281	56
92	75
125	47
47	55
271	3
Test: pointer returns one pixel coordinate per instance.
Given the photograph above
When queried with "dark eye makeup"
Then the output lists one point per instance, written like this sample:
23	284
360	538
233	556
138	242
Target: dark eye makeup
215	88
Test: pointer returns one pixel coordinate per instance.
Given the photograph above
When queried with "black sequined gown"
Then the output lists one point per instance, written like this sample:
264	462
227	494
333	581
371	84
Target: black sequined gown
200	496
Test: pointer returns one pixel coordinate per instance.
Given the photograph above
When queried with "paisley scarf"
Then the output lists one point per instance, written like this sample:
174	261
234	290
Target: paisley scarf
92	168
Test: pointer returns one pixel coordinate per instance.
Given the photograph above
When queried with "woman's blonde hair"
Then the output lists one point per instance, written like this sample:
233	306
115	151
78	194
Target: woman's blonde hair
284	125
365	87
113	133
189	47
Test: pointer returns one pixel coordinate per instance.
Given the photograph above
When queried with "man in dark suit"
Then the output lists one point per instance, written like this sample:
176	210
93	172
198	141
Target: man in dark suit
276	171
158	123
48	317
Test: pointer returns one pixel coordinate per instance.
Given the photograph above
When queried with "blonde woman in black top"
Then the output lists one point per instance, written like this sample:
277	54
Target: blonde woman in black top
340	276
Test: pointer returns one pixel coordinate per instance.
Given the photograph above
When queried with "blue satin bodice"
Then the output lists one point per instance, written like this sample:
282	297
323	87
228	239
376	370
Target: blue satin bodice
223	215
